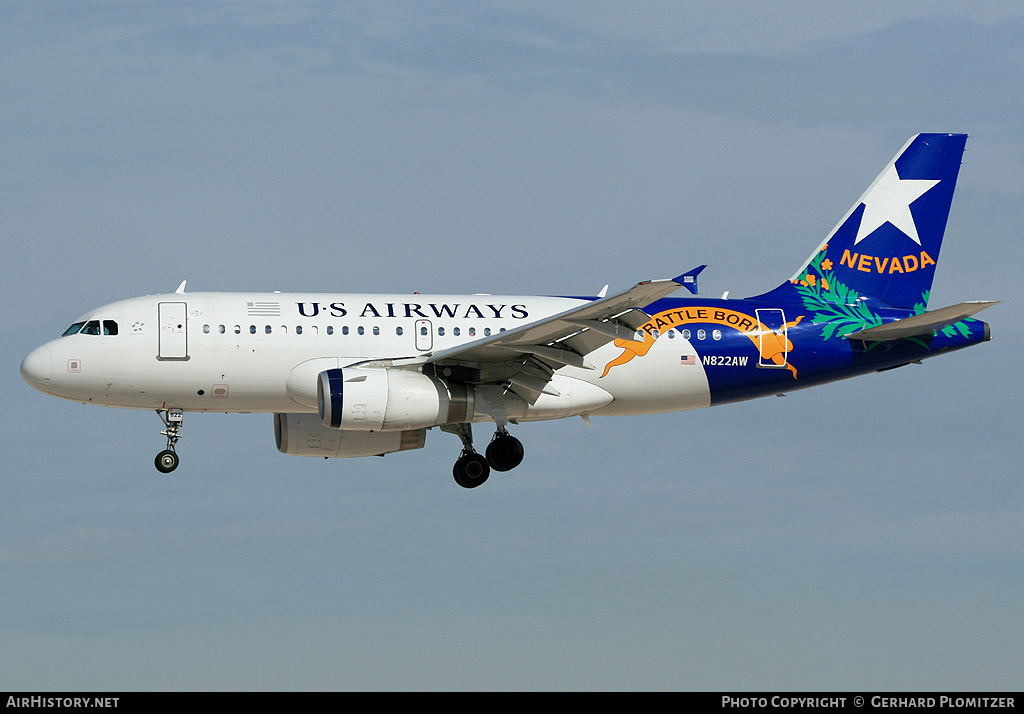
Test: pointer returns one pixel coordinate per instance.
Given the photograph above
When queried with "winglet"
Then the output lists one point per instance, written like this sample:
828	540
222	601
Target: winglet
689	279
181	288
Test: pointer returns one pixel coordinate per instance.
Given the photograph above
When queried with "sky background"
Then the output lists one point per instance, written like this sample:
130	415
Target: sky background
863	535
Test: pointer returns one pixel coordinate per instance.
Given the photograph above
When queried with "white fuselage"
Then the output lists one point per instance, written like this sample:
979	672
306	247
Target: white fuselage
262	352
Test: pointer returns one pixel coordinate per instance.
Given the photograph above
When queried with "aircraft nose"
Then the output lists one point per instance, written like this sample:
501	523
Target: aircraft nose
35	369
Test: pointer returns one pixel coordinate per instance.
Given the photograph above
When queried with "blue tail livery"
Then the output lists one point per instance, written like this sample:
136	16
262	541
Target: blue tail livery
857	304
351	374
886	247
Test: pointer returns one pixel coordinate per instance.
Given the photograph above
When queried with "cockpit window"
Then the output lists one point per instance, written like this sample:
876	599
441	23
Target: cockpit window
92	327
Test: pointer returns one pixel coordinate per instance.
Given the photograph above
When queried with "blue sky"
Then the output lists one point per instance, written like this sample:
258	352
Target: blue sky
862	535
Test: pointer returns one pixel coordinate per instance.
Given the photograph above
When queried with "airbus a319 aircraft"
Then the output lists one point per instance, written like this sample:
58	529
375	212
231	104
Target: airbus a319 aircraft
360	375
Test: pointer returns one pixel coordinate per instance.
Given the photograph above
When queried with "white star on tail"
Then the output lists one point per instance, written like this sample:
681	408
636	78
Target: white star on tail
888	201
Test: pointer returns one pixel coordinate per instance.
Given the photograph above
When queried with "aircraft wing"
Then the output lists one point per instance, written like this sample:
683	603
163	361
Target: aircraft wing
525	357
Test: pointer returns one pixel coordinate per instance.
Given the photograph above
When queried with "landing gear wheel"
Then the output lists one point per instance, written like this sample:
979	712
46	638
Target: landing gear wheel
505	452
166	461
471	470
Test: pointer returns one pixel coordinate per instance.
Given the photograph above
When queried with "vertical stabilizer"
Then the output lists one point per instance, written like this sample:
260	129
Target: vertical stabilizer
887	246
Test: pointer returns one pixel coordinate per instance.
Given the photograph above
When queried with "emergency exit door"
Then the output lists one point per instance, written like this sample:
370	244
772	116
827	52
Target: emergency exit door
424	335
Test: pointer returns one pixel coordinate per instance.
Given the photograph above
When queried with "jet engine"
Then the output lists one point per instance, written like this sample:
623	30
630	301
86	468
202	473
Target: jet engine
305	435
376	399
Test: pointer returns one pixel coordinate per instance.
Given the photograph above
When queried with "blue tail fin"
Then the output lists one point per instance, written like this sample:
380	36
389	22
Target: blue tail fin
886	247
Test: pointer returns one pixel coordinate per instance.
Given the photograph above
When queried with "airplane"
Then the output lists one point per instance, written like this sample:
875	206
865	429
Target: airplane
349	375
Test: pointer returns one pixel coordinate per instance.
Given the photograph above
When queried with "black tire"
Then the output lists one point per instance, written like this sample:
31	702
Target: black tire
471	470
166	461
505	453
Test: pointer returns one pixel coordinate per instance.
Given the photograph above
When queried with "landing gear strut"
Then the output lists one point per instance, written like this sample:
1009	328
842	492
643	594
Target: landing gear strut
471	469
167	460
504	453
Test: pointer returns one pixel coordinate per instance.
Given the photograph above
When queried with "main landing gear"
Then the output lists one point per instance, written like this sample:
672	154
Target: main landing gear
167	460
504	453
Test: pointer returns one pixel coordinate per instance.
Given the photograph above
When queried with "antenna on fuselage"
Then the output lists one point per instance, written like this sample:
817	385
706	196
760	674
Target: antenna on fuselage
181	288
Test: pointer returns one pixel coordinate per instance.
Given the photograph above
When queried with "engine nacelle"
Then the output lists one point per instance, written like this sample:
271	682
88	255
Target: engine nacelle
377	399
304	435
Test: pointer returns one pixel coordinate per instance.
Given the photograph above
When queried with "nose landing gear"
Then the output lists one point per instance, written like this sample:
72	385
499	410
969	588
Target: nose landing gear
167	460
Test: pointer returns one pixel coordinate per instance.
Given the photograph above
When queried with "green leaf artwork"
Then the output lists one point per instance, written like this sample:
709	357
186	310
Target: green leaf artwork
839	309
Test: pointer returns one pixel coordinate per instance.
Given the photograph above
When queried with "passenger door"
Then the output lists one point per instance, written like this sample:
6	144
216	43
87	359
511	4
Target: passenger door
173	340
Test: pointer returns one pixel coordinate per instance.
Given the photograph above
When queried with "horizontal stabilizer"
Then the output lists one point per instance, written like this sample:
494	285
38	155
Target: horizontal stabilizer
924	324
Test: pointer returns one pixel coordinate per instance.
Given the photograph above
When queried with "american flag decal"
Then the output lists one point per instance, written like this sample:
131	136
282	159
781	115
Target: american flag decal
688	359
264	309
